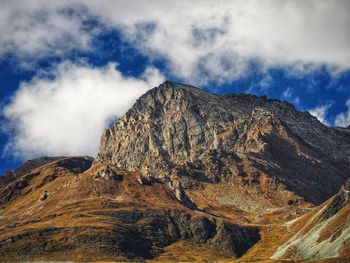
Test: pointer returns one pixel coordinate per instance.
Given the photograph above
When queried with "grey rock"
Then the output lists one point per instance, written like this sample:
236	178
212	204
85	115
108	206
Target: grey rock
180	194
177	131
44	196
76	164
339	201
108	174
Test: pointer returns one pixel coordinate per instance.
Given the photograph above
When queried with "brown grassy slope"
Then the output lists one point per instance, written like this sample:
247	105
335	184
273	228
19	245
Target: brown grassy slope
320	235
272	236
76	201
65	214
60	212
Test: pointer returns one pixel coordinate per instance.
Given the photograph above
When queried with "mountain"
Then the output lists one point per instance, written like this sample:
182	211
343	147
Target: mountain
187	175
23	169
321	235
326	231
178	132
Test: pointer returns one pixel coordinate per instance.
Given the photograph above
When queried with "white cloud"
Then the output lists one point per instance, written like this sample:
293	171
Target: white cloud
66	115
321	113
288	95
206	41
343	119
36	29
200	40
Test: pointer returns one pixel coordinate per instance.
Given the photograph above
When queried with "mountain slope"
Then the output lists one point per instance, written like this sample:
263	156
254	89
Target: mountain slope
67	209
23	169
325	235
178	132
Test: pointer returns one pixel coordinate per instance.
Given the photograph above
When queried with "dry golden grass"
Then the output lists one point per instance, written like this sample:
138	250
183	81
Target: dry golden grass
183	251
78	200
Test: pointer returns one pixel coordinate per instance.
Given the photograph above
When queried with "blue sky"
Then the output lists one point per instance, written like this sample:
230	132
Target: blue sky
69	68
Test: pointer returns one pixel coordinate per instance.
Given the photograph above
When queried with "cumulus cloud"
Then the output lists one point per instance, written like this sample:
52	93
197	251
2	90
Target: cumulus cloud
36	29
205	42
65	115
321	113
201	41
343	119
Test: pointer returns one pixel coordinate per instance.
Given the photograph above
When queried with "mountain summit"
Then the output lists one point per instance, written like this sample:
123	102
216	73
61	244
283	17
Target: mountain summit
179	132
187	175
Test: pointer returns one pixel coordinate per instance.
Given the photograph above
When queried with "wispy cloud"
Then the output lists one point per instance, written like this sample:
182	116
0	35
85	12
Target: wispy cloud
343	119
288	96
35	29
321	113
65	115
201	42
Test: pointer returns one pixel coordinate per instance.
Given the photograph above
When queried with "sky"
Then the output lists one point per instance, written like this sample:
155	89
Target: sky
70	68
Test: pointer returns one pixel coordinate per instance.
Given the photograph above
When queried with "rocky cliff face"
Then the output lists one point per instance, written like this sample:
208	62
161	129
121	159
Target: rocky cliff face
179	133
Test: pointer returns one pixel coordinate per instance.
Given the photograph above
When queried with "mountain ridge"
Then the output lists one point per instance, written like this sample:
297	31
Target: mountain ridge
185	119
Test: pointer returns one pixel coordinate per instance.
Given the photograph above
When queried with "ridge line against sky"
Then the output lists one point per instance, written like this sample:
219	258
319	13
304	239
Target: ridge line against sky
70	67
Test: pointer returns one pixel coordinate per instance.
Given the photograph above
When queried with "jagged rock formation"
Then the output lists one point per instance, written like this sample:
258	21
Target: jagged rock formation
180	132
338	202
107	173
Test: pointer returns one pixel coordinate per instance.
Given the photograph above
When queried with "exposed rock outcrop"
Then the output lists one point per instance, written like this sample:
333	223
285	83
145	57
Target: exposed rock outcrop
76	164
338	202
323	234
44	196
180	194
107	173
180	132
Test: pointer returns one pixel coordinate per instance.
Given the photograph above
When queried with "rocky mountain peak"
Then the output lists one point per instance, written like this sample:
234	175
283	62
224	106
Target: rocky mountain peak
181	132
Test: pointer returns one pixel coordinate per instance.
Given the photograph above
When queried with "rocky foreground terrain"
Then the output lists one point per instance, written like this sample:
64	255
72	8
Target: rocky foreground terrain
186	175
